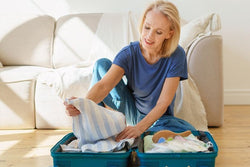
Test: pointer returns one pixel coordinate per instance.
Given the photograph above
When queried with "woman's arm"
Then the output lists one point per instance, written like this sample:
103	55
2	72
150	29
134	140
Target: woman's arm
167	94
101	89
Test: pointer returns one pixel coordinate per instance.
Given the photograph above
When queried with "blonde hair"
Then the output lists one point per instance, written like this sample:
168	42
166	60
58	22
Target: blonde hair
172	13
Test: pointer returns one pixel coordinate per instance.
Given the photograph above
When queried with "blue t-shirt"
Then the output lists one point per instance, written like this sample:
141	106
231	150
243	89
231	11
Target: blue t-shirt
145	80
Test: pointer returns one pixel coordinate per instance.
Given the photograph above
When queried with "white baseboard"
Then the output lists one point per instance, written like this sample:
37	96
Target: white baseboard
237	96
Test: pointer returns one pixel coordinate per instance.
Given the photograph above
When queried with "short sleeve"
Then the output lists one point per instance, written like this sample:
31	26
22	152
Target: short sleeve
122	59
178	66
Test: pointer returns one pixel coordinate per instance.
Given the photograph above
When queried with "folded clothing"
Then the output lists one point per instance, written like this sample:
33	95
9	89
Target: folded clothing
177	144
106	145
96	127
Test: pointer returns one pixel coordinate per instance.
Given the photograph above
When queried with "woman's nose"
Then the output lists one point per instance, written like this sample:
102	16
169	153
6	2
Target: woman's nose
150	35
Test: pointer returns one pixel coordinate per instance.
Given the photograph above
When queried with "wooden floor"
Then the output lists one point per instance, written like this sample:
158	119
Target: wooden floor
233	139
31	148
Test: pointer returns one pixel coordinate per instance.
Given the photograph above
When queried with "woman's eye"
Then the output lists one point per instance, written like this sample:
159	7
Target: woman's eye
158	32
146	27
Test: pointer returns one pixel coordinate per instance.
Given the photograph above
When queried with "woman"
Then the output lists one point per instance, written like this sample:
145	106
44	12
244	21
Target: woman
153	68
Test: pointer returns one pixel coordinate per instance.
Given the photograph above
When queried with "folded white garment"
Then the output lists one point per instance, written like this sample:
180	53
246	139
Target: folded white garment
96	127
178	144
71	147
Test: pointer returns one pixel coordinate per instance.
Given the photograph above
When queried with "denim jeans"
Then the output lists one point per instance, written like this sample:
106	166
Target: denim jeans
121	99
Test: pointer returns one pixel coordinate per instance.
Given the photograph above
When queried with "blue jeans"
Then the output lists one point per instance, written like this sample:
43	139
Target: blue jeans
121	99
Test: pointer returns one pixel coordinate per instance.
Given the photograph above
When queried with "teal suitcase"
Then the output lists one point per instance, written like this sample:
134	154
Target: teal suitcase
199	159
79	159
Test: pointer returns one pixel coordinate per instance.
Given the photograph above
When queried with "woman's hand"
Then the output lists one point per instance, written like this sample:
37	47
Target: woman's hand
129	132
70	109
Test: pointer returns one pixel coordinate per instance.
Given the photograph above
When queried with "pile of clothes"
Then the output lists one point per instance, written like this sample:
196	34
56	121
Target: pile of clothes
169	142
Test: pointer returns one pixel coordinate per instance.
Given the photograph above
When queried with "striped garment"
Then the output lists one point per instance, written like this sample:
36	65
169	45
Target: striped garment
107	145
96	126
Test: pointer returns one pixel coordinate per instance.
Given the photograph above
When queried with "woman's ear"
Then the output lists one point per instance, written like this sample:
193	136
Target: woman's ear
170	34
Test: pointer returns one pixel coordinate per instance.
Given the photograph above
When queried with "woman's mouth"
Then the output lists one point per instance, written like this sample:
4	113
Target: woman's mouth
148	42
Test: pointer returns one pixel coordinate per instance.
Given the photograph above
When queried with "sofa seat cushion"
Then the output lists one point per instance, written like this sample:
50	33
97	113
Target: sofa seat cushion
50	111
17	85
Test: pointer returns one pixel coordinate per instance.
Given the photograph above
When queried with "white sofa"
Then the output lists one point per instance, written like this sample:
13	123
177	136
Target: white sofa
45	60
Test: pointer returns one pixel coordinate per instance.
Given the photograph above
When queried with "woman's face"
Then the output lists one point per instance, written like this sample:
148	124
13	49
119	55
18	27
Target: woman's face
156	28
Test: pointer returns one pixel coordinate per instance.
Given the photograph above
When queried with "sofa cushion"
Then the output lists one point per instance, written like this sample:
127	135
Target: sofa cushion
26	40
87	37
50	111
17	105
208	23
17	86
73	38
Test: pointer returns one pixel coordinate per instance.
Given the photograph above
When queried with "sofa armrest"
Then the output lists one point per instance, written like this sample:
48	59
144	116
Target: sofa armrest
205	65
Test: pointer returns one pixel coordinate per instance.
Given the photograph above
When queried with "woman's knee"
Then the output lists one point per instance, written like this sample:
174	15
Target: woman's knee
101	67
103	63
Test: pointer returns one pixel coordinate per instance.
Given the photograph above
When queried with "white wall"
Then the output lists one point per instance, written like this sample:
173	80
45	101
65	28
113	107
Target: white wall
235	16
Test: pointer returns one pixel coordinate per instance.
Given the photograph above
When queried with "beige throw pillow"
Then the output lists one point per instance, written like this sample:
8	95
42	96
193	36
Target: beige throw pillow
202	25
